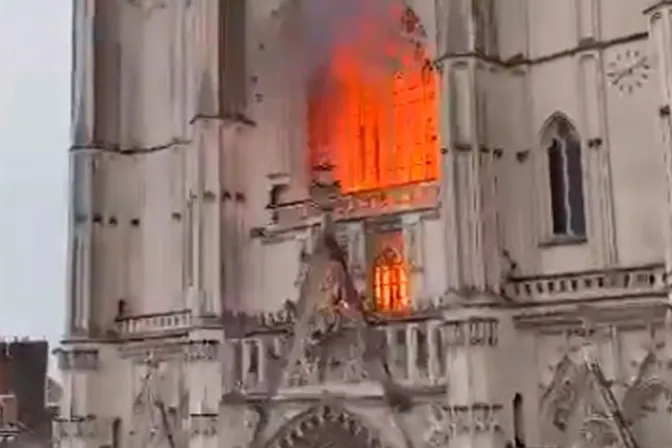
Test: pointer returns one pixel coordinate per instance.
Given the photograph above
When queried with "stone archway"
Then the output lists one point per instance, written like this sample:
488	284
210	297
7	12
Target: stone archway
326	426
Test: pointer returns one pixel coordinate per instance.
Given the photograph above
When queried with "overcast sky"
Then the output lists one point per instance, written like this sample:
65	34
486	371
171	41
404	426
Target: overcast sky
34	134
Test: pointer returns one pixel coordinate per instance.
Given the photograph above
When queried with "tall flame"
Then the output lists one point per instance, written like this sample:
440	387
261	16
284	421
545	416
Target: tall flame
373	110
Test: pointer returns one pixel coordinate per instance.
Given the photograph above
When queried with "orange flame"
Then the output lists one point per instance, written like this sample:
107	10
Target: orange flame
376	122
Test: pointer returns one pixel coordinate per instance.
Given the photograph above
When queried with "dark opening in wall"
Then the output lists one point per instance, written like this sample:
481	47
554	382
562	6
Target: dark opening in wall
116	433
518	422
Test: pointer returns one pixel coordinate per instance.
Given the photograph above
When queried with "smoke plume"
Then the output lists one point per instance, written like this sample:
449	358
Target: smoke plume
319	27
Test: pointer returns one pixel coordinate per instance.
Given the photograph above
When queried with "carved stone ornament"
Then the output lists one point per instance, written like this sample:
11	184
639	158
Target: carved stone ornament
239	423
323	425
637	402
161	351
156	419
203	425
439	430
475	331
79	427
560	398
332	352
446	421
78	359
201	350
413	237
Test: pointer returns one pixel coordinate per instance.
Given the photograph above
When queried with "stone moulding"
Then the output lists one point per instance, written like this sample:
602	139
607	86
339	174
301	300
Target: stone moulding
621	282
240	324
203	425
77	358
160	350
173	321
299	214
82	427
559	289
626	313
322	422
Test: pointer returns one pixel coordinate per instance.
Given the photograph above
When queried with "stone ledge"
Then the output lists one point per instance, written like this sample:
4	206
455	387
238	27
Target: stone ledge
613	283
630	313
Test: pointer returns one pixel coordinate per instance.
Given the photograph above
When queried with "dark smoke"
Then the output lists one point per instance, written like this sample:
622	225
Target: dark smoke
319	27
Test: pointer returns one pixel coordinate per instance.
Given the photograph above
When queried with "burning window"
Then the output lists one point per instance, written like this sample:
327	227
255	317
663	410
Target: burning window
375	122
390	282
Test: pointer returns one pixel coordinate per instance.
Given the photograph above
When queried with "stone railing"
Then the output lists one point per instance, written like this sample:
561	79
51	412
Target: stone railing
625	282
158	323
415	351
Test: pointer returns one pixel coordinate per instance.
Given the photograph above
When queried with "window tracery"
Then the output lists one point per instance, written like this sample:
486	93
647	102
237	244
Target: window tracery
390	281
565	179
375	123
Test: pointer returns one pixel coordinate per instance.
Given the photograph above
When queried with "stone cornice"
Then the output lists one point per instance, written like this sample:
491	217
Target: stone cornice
297	215
638	312
547	296
657	5
159	350
121	150
77	358
646	280
518	61
316	396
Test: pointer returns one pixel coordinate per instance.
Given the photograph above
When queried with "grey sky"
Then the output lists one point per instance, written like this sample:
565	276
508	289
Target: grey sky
34	129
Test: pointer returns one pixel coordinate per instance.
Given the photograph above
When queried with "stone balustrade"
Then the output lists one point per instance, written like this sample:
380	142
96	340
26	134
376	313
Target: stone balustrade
159	323
624	282
415	351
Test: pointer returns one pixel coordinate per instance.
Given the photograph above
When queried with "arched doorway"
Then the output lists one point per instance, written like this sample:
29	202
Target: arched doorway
325	427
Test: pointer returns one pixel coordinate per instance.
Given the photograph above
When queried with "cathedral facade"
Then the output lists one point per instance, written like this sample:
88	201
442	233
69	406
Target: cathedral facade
499	176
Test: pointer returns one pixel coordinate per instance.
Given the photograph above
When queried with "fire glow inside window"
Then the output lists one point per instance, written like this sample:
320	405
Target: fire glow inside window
390	282
376	123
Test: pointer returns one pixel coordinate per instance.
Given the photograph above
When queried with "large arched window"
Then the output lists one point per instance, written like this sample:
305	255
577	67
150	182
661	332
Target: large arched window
372	115
565	175
390	282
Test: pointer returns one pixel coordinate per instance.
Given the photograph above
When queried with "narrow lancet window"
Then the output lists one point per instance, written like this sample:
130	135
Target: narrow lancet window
565	173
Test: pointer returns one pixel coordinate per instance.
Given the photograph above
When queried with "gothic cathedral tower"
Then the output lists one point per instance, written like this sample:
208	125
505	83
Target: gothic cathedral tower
473	154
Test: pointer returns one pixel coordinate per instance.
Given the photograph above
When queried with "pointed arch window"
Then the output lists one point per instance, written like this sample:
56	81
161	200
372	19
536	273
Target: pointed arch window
565	177
390	282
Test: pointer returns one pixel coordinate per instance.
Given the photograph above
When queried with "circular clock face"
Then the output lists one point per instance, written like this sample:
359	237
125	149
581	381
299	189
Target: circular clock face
629	70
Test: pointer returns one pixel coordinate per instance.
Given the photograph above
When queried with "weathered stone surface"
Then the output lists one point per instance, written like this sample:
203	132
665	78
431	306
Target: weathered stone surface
198	263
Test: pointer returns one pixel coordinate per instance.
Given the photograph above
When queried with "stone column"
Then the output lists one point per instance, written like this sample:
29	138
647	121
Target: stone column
473	406
595	143
204	380
470	164
413	228
659	17
660	34
81	241
214	178
81	169
203	167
